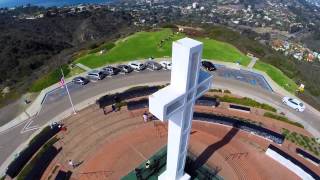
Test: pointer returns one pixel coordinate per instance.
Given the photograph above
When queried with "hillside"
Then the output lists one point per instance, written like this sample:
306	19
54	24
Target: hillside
143	45
28	46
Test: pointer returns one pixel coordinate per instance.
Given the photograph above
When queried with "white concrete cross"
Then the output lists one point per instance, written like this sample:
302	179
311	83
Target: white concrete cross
175	103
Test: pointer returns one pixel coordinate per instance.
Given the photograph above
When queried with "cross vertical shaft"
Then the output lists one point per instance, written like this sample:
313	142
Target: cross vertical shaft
175	103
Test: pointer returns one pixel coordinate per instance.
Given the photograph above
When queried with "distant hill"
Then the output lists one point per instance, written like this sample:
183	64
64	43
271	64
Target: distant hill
27	46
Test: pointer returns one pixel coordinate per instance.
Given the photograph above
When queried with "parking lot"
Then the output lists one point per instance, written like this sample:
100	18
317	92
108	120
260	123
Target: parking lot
251	78
222	71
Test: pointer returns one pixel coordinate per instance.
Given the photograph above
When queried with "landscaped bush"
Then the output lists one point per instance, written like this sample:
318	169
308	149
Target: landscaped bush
207	101
302	141
139	104
215	90
36	167
227	91
128	94
282	118
120	104
245	125
246	102
35	144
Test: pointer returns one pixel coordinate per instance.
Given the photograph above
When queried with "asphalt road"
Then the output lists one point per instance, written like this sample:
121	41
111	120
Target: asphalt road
12	138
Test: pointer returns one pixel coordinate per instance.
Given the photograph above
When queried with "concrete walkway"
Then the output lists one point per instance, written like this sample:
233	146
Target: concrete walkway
86	68
252	63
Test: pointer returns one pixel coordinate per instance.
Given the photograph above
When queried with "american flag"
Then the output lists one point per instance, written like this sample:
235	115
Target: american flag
61	83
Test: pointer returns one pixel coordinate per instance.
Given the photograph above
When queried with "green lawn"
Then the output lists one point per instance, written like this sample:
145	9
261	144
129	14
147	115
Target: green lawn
218	50
49	79
74	71
146	44
276	75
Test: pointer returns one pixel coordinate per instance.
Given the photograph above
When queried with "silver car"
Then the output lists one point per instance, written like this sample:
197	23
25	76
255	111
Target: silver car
153	65
96	75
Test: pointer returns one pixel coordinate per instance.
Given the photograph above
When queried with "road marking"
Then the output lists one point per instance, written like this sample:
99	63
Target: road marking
27	127
9	129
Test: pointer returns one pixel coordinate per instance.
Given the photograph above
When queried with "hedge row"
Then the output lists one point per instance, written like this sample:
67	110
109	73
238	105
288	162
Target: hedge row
246	126
246	102
282	118
36	167
35	144
128	94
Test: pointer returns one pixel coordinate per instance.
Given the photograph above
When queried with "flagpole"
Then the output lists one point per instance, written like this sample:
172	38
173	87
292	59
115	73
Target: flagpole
74	110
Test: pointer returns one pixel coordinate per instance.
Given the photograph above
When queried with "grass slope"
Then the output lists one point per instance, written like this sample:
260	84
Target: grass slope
49	79
277	76
158	44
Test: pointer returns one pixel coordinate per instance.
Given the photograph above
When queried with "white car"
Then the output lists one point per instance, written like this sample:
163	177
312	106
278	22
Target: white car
166	64
294	103
138	66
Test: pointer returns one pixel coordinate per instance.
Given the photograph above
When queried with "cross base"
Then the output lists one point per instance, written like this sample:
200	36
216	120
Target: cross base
164	176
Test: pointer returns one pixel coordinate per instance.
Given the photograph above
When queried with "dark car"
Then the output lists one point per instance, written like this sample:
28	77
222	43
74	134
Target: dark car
109	70
208	65
153	65
80	80
125	68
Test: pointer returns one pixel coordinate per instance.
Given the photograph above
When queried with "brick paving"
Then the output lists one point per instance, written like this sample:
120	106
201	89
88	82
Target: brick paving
110	146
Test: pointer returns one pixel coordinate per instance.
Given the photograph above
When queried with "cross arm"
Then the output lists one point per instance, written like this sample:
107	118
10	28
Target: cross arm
165	102
204	83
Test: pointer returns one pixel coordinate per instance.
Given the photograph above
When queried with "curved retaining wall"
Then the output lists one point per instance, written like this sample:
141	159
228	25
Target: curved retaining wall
291	163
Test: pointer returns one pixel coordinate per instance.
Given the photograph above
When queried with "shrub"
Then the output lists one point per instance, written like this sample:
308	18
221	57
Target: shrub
282	118
37	160
120	104
215	90
247	102
227	91
302	141
35	144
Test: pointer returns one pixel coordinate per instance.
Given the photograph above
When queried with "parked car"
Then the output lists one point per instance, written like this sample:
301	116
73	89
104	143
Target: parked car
166	64
125	68
208	65
109	70
153	65
294	104
96	74
80	80
138	66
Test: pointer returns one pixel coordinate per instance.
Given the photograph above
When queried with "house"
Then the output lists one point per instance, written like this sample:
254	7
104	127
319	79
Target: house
310	57
298	56
181	29
195	5
278	45
286	45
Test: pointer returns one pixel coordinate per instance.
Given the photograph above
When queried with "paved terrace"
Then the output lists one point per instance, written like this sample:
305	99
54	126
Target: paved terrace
56	106
110	146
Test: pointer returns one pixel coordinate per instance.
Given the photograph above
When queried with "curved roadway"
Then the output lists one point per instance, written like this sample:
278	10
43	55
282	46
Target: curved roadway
14	137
